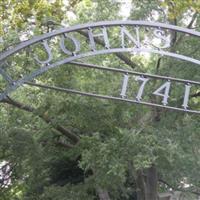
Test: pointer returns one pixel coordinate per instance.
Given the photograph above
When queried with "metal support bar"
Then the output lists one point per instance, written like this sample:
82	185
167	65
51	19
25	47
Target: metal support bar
108	97
117	70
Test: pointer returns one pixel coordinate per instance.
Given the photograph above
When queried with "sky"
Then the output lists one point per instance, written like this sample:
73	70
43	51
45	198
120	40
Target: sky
126	6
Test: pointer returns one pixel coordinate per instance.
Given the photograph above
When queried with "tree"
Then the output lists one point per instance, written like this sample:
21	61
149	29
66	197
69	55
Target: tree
61	146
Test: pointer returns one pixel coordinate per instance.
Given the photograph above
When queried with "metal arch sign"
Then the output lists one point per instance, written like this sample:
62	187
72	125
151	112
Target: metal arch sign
129	39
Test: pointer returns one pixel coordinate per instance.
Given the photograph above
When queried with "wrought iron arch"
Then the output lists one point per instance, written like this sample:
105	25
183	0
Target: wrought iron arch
47	65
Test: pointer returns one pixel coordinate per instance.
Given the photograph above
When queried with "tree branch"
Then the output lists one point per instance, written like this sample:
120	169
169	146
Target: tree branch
195	95
121	56
192	20
44	117
176	188
65	145
158	64
188	26
174	34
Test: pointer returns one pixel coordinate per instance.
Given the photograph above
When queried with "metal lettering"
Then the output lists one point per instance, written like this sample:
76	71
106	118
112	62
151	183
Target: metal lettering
129	38
136	41
161	35
124	86
165	87
75	42
104	34
186	96
48	50
141	89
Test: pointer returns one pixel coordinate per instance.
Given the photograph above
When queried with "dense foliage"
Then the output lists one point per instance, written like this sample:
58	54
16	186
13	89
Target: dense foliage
58	146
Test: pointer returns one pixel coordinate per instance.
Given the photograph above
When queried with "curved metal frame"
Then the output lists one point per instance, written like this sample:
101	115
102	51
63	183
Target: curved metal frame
94	25
76	28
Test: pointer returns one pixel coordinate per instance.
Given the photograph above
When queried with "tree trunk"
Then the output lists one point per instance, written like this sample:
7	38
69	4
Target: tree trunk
140	183
147	184
103	194
151	183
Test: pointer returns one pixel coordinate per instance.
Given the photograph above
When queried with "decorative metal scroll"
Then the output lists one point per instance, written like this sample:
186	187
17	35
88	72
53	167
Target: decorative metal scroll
129	36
